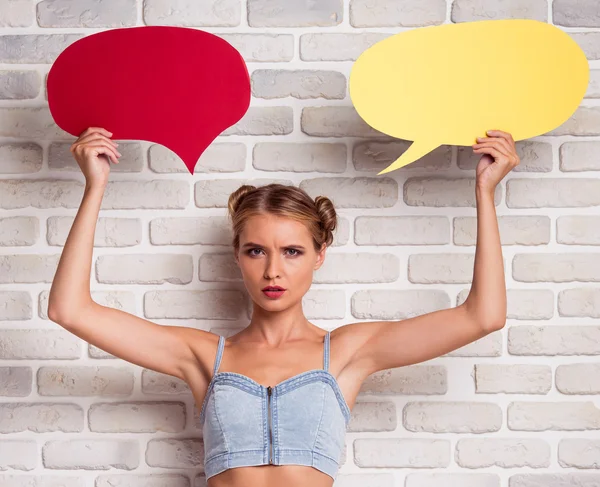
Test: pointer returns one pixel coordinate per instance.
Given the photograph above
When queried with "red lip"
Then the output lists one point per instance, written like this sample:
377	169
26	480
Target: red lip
273	288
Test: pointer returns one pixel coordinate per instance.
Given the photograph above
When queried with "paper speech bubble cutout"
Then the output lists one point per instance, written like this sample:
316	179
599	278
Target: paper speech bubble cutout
451	83
176	86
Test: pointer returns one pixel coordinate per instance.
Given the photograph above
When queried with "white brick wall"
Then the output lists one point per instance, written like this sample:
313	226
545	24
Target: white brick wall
518	408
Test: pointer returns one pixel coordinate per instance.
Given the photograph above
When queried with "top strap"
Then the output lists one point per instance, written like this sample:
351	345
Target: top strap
219	354
326	353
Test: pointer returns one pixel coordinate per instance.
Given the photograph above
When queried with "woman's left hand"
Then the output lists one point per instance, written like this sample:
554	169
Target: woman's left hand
499	157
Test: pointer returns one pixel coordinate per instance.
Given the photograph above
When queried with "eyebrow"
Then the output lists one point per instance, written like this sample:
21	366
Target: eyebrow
252	244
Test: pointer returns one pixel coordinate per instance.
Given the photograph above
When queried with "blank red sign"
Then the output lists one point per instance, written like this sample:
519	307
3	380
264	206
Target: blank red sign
175	86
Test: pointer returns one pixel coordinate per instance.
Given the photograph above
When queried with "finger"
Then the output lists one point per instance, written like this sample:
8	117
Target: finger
105	149
493	144
93	136
500	133
492	151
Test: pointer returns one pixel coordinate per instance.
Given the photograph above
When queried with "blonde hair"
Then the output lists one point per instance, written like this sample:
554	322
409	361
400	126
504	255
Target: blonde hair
318	215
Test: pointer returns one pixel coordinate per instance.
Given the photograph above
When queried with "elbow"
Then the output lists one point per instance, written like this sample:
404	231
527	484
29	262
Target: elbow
495	325
62	314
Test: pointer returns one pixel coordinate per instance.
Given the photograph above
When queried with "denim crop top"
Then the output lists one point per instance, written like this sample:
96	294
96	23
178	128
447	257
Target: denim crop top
300	421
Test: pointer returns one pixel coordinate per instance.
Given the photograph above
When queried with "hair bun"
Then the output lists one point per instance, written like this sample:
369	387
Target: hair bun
237	196
328	217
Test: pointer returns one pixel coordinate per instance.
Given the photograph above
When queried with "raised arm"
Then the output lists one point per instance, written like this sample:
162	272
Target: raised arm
158	347
388	344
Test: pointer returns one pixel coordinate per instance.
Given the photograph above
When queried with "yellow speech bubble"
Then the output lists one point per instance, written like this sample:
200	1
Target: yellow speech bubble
451	83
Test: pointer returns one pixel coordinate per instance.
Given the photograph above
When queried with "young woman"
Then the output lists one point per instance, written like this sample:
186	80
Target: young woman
276	397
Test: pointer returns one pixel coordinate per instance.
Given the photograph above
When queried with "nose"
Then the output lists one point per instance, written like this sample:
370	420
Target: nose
272	268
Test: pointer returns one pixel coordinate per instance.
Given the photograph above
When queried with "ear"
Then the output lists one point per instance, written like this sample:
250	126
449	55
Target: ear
320	257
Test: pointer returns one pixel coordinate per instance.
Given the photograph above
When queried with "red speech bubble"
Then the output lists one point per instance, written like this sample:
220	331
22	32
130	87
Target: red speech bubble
176	86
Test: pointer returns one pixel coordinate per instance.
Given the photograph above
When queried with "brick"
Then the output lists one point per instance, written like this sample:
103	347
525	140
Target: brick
452	417
578	378
137	417
16	381
579	156
593	88
530	304
471	10
110	232
379	192
144	269
401	230
502	452
514	230
555	480
38	344
589	42
585	121
374	156
579	302
210	304
335	121
17	417
256	48
19	85
534	156
552	193
87	13
34	49
219	157
299	157
16	13
28	268
401	453
301	84
440	268
554	340
413	379
138	195
214	193
174	453
264	121
219	267
358	267
512	378
452	480
373	416
428	191
578	230
337	46
15	305
91	454
585	13
489	346
153	382
210	230
208	13
579	453
294	13
20	157
381	13
556	267
85	381
324	304
395	304
554	416
61	158
19	231
40	193
30	123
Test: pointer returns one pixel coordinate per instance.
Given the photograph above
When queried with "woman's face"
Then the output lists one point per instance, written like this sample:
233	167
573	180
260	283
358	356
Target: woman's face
277	251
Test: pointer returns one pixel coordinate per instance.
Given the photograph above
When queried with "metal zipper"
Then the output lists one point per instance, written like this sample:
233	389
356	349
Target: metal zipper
269	391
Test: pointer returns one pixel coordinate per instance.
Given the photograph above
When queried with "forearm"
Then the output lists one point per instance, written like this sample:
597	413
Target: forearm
487	297
70	289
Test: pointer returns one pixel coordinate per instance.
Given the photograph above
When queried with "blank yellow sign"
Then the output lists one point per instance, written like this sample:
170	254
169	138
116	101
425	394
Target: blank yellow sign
451	83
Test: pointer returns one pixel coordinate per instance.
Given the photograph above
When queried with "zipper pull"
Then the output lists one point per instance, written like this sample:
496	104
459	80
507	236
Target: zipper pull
269	390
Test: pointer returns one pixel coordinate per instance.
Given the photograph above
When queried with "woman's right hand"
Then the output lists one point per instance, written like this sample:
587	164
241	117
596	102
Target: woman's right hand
87	149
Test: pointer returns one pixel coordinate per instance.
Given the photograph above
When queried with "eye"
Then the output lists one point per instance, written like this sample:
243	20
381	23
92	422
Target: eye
249	252
297	252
